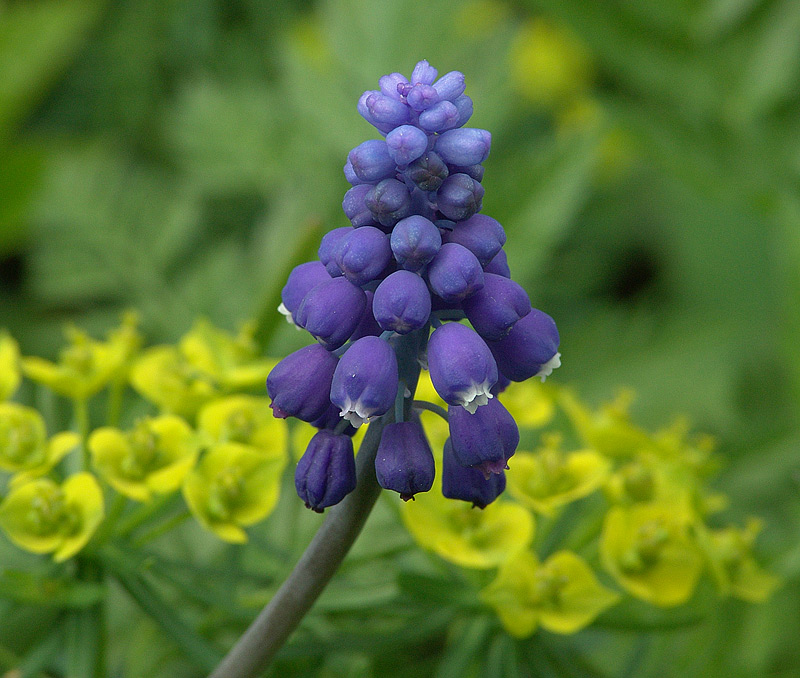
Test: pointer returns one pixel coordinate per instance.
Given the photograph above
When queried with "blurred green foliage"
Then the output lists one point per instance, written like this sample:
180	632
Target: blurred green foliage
181	156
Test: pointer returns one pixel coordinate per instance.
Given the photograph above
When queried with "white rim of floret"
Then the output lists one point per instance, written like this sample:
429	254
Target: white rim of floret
547	369
286	313
355	413
475	396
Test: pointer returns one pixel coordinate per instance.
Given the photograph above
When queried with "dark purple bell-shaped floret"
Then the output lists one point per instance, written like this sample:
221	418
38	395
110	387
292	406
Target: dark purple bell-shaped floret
455	273
328	248
365	381
415	241
464	146
475	171
440	117
498	265
406	143
331	420
368	327
427	172
371	161
495	307
404	461
299	385
355	207
462	368
402	302
300	282
362	254
469	484
388	202
481	235
530	349
485	440
459	197
331	311
326	473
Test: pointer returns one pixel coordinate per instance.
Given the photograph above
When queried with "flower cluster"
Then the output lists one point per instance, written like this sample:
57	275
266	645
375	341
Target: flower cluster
418	254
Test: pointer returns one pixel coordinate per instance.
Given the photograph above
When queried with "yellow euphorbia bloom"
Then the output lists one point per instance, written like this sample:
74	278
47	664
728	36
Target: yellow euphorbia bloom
24	448
649	551
43	517
232	487
464	535
562	594
244	419
9	365
730	554
153	458
551	478
530	402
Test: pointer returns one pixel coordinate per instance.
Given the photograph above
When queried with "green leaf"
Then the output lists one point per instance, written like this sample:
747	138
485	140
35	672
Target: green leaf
37	589
464	647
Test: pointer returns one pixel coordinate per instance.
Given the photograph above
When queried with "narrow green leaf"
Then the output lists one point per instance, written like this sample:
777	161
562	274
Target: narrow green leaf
464	647
36	589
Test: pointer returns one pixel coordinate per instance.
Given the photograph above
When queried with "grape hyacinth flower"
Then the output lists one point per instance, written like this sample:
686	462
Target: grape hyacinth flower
388	295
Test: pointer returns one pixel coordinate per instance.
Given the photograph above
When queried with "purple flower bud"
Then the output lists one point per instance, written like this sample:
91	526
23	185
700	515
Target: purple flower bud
420	97
481	235
406	143
485	440
386	110
423	73
388	201
404	462
530	349
331	311
330	420
368	327
464	106
389	83
421	205
440	117
355	208
299	385
469	484
371	161
363	109
415	240
495	307
329	247
461	365
402	302
428	172
464	146
475	171
300	282
459	197
365	381
498	265
450	86
455	273
362	254
326	473
350	175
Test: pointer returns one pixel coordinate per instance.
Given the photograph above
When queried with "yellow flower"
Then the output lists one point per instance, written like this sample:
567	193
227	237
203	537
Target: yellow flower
530	402
232	487
9	365
649	551
244	419
24	448
562	594
550	479
43	517
730	554
154	457
464	535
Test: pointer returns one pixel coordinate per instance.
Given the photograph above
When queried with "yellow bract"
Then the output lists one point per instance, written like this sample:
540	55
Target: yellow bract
562	594
549	479
232	487
153	458
244	419
649	551
529	402
9	365
43	517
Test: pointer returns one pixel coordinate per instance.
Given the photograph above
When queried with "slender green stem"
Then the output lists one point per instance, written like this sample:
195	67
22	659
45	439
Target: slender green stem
161	529
143	514
431	407
81	409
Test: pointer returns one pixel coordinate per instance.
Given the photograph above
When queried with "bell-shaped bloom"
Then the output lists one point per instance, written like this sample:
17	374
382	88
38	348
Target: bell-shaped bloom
530	349
455	273
406	143
331	311
481	235
233	486
244	419
415	241
421	97
499	265
355	206
485	440
428	172
326	473
300	383
440	117
153	458
43	517
390	85
371	160
561	595
451	85
404	461
384	112
459	197
475	171
461	366
329	248
302	280
496	307
388	202
9	365
362	254
469	484
423	73
402	302
365	381
368	326
464	146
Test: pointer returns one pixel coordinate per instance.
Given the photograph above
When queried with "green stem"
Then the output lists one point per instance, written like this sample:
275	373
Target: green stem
431	407
162	529
81	409
143	514
107	528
